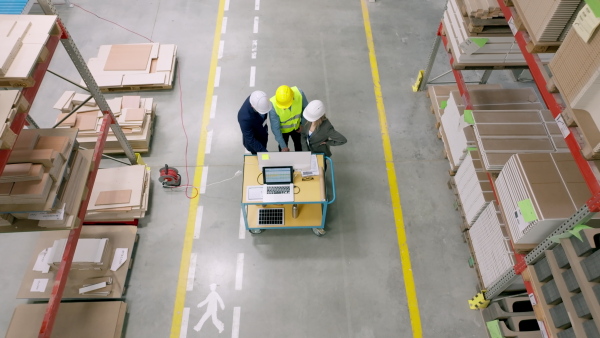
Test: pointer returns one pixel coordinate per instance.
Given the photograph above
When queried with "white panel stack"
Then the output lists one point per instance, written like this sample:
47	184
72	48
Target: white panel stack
490	244
474	188
538	192
453	125
490	50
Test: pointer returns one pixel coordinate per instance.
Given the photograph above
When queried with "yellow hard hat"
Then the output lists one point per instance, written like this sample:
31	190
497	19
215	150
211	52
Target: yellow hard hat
284	97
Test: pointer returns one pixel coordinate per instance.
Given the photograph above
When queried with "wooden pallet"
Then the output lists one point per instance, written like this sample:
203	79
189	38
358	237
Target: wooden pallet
135	88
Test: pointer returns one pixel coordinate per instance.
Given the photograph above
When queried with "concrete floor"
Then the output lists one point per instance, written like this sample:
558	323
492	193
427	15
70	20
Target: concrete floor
348	283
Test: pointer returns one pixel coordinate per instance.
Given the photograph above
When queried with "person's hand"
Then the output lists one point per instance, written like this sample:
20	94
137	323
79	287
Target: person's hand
324	142
285	149
299	129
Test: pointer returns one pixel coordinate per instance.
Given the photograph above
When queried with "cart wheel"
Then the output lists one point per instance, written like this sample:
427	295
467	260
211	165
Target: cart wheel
255	231
320	232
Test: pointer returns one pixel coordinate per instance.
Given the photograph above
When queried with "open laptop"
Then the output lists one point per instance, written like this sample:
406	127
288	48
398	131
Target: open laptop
278	186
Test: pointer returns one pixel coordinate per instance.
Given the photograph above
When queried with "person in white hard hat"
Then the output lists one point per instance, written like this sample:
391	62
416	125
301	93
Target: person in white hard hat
318	133
252	118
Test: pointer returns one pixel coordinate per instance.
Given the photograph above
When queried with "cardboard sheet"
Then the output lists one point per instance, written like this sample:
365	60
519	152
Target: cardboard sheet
135	114
130	101
113	197
128	57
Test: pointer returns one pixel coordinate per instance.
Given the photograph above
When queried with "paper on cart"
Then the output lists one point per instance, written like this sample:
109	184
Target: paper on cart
119	259
40	262
254	193
39	285
314	167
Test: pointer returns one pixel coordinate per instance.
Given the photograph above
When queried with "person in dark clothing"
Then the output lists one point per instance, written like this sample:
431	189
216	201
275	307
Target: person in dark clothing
252	118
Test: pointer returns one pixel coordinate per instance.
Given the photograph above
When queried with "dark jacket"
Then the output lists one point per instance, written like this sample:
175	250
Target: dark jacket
324	133
254	128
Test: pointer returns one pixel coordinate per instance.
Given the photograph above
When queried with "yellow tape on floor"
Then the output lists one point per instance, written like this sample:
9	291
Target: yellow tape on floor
189	229
409	283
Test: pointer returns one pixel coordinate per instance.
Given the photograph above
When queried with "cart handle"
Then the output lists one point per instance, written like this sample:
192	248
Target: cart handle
332	178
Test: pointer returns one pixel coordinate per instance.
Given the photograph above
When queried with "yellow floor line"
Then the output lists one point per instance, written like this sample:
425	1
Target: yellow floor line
189	230
409	283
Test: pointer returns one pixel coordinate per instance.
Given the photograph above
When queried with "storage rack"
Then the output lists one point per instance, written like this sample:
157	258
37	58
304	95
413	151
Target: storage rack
554	103
108	121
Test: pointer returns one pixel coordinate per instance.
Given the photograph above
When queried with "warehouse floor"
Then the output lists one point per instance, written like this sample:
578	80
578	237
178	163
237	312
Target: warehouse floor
349	283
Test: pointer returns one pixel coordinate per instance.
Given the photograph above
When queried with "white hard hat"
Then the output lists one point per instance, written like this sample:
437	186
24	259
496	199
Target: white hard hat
260	102
314	110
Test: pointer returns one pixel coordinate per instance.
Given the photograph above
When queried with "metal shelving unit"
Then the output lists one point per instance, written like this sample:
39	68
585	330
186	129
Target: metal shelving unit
108	121
555	104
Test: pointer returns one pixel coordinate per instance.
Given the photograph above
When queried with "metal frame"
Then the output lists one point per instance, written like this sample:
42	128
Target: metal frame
554	103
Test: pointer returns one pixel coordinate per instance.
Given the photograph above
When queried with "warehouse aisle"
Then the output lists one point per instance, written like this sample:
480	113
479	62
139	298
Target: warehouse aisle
349	283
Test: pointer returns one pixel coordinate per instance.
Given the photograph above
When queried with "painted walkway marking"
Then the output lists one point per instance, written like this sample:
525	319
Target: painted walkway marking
235	328
252	76
239	271
184	322
188	239
213	107
255	29
409	283
198	223
242	234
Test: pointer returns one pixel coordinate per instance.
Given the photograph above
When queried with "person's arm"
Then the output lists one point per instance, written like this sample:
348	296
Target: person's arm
304	136
276	128
249	138
334	138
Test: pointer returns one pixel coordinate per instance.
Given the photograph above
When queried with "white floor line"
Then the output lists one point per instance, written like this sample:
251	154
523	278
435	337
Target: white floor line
226	5
239	271
198	224
224	25
213	107
209	137
218	77
204	178
242	226
254	48
221	46
185	319
252	76
255	30
192	272
257	5
235	328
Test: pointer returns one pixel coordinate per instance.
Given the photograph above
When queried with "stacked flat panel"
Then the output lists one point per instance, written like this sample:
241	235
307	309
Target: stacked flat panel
490	244
474	188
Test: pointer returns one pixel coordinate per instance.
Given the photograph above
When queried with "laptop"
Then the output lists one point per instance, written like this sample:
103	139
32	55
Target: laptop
278	186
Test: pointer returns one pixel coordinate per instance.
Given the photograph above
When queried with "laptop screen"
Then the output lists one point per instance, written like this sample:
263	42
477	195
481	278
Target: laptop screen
278	175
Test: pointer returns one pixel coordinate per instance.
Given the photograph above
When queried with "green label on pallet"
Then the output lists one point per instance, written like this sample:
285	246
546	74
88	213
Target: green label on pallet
443	104
471	148
527	210
594	6
494	329
479	41
468	116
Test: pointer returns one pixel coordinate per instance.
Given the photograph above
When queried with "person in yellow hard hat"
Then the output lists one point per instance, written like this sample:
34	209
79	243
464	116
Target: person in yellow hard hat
286	115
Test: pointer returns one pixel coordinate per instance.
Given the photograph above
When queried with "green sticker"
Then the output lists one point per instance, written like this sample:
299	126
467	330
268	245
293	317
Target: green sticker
594	6
527	210
265	156
480	41
471	148
494	329
576	231
468	116
443	104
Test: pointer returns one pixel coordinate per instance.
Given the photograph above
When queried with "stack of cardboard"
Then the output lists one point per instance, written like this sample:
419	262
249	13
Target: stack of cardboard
134	114
537	193
11	102
145	66
547	20
491	245
119	194
473	186
576	73
82	319
482	9
37	163
483	50
502	133
23	39
458	131
439	96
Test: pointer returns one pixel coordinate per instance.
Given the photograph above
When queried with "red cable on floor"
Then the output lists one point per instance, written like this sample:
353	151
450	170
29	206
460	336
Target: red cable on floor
180	107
